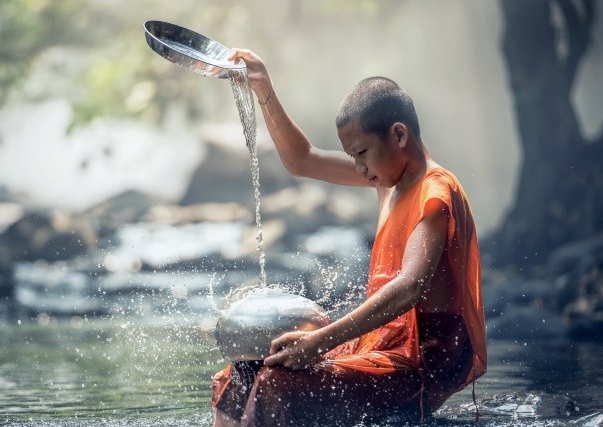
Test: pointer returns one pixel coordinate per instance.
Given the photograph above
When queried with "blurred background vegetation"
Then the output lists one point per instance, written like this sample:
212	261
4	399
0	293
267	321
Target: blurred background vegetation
92	55
76	69
100	48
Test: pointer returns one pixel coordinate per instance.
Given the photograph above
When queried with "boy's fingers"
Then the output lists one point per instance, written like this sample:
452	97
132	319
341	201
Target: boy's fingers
272	360
278	343
233	55
238	53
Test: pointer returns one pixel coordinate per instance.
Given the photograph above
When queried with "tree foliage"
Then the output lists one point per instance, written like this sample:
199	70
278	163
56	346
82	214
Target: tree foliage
117	75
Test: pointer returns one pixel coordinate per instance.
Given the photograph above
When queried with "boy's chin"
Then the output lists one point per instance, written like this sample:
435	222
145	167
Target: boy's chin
375	181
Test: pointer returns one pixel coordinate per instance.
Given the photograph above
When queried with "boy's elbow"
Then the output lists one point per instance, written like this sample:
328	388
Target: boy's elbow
295	168
416	292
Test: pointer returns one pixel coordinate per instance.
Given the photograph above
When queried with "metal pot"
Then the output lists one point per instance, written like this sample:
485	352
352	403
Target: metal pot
192	50
247	326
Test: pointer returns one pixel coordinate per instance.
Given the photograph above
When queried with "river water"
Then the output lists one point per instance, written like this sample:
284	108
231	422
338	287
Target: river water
126	371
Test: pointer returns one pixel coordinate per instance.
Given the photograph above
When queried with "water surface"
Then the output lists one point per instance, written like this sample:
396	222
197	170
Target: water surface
118	372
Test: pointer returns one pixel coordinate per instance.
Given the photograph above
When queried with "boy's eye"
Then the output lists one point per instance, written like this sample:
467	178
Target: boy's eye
360	153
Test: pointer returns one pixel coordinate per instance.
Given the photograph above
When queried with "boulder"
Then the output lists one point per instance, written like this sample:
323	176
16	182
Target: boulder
577	254
578	267
224	175
7	196
526	323
45	236
126	207
199	212
7	284
497	297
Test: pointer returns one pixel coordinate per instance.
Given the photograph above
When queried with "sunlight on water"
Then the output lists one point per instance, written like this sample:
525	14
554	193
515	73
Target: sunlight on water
104	369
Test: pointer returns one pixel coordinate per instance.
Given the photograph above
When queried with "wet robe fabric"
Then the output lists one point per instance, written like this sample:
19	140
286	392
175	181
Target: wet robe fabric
410	365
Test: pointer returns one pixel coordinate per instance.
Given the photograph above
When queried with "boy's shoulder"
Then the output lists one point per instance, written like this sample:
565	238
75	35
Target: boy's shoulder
441	175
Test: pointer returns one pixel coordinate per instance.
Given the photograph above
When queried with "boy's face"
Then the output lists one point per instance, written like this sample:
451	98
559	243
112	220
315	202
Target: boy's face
380	161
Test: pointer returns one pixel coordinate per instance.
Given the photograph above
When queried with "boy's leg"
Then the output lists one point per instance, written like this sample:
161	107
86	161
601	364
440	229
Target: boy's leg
281	397
223	420
231	388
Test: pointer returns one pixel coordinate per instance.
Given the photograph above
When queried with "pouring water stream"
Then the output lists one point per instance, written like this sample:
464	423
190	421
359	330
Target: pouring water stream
207	57
241	90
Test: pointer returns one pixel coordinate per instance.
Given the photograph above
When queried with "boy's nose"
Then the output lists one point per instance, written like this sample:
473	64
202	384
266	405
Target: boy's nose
361	169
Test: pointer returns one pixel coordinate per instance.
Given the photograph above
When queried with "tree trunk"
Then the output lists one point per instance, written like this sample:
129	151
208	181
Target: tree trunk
560	173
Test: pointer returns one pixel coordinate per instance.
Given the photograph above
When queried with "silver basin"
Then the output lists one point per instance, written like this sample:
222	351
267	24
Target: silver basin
247	326
192	50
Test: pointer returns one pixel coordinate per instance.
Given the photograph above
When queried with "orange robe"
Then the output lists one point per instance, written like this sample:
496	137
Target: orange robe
396	345
388	367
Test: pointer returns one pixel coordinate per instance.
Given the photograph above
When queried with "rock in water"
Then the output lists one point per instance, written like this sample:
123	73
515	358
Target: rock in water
247	326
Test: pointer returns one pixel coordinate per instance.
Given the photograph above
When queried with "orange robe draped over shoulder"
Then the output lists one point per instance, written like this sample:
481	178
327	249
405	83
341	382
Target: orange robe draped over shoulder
396	345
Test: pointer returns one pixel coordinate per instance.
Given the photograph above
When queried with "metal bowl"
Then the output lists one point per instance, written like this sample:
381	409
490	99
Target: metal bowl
246	327
192	50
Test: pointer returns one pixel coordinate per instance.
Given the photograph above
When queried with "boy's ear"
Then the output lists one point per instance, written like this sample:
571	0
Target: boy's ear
400	133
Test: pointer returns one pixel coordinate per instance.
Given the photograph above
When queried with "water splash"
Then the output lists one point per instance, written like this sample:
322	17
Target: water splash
520	409
239	81
212	302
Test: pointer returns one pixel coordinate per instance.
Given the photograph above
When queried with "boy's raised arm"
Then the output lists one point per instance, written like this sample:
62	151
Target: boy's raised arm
298	155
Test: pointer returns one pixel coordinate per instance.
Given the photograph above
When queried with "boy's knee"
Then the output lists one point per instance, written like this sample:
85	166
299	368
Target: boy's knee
280	384
223	420
270	378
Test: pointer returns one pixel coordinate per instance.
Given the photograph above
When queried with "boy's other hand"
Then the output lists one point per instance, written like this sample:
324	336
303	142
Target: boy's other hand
294	350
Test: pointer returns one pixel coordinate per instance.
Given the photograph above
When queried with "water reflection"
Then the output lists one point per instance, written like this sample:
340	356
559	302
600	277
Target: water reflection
104	369
125	372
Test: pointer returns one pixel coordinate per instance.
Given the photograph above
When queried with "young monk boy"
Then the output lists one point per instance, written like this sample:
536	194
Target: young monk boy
419	336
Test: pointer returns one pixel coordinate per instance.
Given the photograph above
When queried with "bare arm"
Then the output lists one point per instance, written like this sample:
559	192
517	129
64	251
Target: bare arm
298	155
297	350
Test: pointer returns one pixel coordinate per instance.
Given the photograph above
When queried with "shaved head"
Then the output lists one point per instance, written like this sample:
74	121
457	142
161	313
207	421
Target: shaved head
378	103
